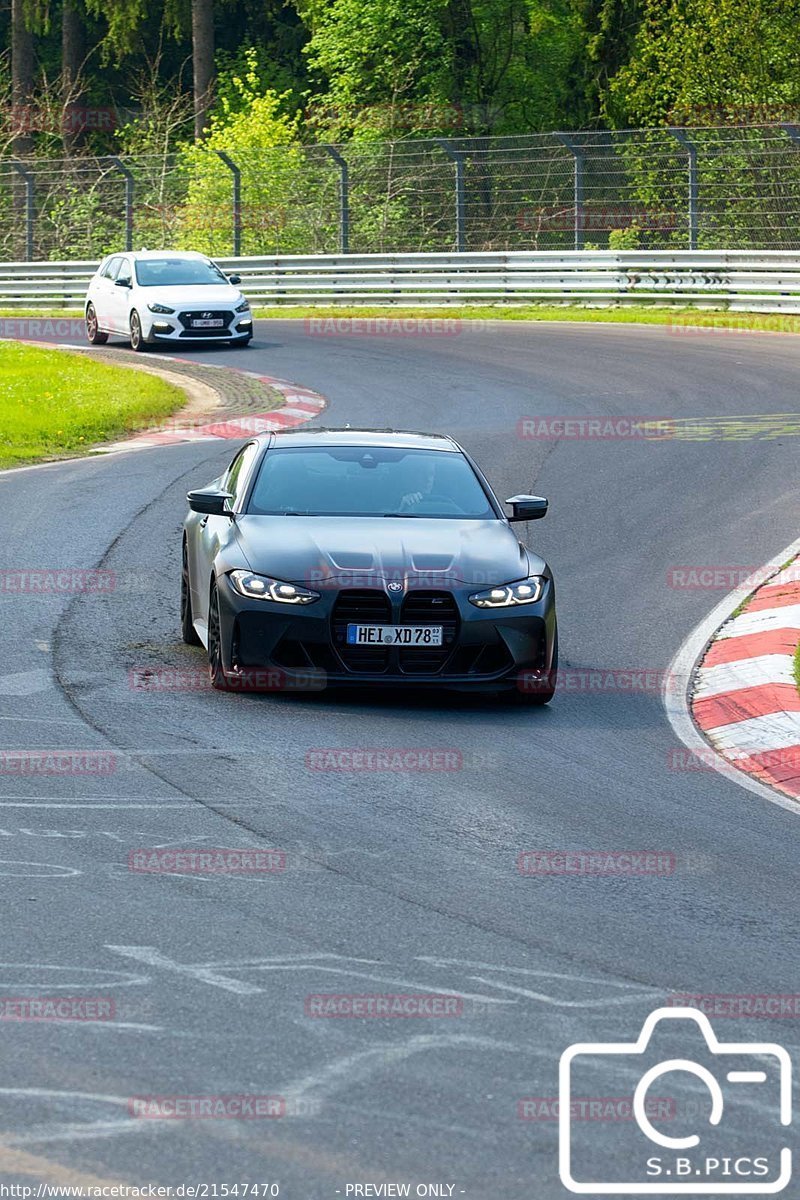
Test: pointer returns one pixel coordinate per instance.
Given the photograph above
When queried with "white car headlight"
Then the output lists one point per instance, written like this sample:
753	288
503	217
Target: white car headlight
244	306
527	591
160	308
261	587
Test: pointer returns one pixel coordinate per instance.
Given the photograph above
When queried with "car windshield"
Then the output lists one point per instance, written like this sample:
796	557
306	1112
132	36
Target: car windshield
368	481
177	272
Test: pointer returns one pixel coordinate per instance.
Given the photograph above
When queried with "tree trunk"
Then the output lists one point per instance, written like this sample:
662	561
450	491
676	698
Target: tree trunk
22	75
73	49
203	61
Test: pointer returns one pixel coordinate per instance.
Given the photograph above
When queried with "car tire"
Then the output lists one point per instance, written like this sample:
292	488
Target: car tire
188	631
138	342
538	698
242	343
94	335
216	671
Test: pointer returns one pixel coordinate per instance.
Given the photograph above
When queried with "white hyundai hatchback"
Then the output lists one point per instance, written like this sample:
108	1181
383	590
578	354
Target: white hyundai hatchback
167	297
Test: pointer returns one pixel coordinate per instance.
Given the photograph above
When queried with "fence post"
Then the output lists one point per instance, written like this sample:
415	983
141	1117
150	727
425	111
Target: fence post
691	150
344	199
578	205
457	156
29	205
792	131
128	176
237	202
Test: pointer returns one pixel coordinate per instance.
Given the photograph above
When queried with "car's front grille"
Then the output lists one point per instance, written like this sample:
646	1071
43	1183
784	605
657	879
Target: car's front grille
429	608
367	606
186	319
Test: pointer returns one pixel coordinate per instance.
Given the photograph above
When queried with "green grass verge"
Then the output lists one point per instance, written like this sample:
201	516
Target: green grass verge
53	403
644	314
797	667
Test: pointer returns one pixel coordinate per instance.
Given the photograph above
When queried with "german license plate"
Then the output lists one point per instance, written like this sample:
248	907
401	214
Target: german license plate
214	323
394	635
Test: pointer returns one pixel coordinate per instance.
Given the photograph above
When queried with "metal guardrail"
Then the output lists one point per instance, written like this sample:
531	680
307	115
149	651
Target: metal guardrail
761	280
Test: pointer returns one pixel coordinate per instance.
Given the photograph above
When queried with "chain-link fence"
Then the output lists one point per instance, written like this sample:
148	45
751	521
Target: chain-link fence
733	187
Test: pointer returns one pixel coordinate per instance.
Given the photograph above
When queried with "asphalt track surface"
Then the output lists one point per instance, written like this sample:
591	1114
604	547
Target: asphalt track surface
396	882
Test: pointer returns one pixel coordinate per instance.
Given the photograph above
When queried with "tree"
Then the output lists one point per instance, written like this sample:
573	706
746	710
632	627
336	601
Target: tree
203	62
709	62
457	66
73	51
23	67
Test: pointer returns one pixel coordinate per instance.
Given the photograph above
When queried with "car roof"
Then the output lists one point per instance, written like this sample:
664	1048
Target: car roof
139	254
401	438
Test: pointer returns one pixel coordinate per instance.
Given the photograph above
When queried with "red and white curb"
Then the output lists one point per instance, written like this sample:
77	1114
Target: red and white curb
745	696
300	405
737	705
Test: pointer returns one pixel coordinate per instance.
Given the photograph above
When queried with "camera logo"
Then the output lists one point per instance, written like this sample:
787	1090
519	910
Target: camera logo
734	1080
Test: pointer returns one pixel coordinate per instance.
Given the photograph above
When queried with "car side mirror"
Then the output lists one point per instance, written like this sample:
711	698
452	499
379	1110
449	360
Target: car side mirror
235	280
527	508
212	503
126	283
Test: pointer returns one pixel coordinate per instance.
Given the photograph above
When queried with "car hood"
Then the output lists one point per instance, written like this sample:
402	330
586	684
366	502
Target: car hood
367	551
207	295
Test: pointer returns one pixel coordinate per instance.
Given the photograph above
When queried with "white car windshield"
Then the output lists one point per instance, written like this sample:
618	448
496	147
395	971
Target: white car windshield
177	272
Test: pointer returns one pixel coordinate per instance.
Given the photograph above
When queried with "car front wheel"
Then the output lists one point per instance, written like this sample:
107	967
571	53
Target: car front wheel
94	334
216	670
138	342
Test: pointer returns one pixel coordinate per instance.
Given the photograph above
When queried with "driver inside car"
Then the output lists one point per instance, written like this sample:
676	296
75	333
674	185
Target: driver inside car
420	481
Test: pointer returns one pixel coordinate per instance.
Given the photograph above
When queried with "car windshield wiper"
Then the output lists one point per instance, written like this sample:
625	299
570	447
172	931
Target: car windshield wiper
416	516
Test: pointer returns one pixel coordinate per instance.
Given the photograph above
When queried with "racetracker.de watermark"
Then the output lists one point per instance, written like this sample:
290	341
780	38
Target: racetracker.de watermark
57	762
72	118
717	577
236	1107
594	1108
57	1008
390	326
732	1004
596	862
679	758
689	324
41	328
208	861
340	1004
595	429
595	680
56	581
197	679
385	758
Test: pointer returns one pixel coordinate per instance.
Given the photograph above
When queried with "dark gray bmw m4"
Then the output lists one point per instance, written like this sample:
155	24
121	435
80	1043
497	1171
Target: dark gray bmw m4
342	557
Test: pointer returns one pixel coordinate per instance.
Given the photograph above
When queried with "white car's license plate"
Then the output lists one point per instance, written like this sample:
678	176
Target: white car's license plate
394	635
200	323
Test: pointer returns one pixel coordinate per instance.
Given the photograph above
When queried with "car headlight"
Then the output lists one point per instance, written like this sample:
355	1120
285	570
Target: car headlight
261	587
527	591
243	307
160	308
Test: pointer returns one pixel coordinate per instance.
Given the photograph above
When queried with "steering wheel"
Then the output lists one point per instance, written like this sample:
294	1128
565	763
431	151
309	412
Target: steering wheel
439	504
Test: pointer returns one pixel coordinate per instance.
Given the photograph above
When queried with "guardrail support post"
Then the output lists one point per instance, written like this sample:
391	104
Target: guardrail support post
29	205
344	198
128	176
578	206
237	202
691	150
457	156
792	131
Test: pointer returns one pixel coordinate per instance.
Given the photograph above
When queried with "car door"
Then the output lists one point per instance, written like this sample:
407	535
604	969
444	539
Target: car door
206	534
121	296
102	294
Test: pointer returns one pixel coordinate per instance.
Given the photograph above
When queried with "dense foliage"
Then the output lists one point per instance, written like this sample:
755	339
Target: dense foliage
171	83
